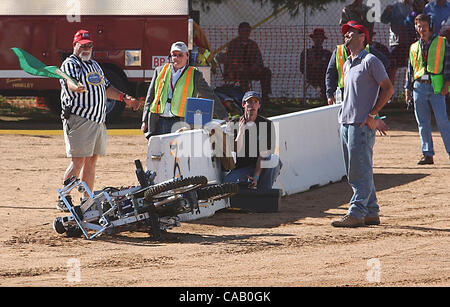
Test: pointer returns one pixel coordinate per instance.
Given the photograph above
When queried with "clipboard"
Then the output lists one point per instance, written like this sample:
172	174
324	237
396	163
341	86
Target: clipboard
199	111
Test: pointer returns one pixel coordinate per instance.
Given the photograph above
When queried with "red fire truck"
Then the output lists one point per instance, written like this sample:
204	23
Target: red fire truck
131	38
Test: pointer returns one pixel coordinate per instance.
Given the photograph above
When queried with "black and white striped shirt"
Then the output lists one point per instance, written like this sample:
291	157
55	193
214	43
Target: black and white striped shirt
90	104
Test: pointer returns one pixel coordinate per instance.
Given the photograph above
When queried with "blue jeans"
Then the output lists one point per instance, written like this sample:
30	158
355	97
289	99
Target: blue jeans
357	146
424	101
266	179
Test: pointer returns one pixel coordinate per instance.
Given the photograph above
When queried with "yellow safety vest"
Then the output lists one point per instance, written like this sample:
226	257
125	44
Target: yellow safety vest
341	57
182	91
435	62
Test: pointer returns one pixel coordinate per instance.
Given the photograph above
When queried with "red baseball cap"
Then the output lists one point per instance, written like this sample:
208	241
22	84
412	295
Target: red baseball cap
82	37
353	24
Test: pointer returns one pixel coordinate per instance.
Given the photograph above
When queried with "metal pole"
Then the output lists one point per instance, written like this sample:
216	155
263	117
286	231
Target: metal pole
304	59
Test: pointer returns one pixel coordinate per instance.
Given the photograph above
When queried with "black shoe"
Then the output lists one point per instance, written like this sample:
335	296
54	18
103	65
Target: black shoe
60	205
426	160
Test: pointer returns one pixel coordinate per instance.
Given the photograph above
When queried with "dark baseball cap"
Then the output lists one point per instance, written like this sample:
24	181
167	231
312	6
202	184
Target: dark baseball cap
251	94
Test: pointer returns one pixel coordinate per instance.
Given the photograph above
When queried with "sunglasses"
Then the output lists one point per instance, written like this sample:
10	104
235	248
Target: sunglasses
180	55
88	45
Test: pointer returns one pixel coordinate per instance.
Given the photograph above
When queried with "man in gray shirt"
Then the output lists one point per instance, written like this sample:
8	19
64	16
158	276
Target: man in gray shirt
364	76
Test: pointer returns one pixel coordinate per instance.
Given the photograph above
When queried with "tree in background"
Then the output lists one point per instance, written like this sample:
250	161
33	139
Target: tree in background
293	6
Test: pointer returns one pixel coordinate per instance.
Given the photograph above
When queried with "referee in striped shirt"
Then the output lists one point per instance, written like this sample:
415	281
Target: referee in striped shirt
84	111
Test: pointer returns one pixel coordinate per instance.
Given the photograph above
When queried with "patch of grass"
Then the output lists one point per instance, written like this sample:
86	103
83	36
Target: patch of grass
23	106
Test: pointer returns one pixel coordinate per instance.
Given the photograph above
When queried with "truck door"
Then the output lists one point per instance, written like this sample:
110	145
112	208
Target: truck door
34	35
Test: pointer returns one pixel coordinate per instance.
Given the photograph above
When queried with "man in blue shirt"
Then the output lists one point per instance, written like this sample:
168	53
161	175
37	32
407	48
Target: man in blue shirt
364	75
439	10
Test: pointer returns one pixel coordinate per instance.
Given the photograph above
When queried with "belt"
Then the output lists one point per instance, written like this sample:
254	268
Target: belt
170	117
425	79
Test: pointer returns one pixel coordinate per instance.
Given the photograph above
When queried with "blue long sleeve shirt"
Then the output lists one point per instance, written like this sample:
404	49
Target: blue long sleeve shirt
438	14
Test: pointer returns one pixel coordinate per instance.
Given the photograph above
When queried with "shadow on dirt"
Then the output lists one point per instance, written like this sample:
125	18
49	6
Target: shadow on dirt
313	203
172	236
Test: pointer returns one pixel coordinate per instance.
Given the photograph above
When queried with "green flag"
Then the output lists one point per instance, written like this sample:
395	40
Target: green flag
35	67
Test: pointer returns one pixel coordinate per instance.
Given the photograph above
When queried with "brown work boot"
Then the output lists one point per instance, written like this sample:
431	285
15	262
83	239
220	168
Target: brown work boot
426	160
372	220
348	221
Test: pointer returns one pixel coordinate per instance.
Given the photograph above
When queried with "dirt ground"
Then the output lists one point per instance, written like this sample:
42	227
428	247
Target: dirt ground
293	247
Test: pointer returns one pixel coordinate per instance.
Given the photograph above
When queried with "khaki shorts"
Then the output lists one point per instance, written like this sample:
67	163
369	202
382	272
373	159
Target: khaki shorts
84	137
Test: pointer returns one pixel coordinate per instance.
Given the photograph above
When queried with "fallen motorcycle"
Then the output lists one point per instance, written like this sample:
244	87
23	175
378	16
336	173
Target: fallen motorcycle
154	206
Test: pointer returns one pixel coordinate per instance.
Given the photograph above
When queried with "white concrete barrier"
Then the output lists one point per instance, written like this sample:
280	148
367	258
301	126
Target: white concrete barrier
308	146
309	149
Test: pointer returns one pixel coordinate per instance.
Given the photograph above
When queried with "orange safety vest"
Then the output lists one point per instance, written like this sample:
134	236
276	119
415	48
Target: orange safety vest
341	57
435	62
183	90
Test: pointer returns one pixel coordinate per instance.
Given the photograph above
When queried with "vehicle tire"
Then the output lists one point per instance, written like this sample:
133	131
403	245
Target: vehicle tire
74	232
53	101
115	108
176	186
58	225
217	191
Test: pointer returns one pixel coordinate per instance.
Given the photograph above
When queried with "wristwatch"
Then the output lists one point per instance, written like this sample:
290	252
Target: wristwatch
373	116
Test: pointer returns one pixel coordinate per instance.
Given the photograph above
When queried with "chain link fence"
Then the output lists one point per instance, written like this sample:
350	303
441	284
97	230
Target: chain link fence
281	39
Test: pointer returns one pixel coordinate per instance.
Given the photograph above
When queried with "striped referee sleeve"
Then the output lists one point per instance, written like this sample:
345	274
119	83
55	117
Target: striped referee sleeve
74	71
92	103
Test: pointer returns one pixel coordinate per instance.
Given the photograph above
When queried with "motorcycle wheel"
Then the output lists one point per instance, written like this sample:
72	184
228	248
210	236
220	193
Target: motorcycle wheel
218	191
176	186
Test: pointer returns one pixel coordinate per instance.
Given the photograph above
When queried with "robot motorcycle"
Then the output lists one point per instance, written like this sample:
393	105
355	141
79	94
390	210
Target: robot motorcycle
156	207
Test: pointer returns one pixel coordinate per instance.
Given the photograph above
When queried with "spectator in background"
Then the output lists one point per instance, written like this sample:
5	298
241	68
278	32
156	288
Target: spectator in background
317	59
357	11
243	63
439	10
381	48
204	48
399	39
445	29
417	8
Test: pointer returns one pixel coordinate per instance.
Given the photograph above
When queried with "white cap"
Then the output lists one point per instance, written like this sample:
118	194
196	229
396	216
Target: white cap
179	46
